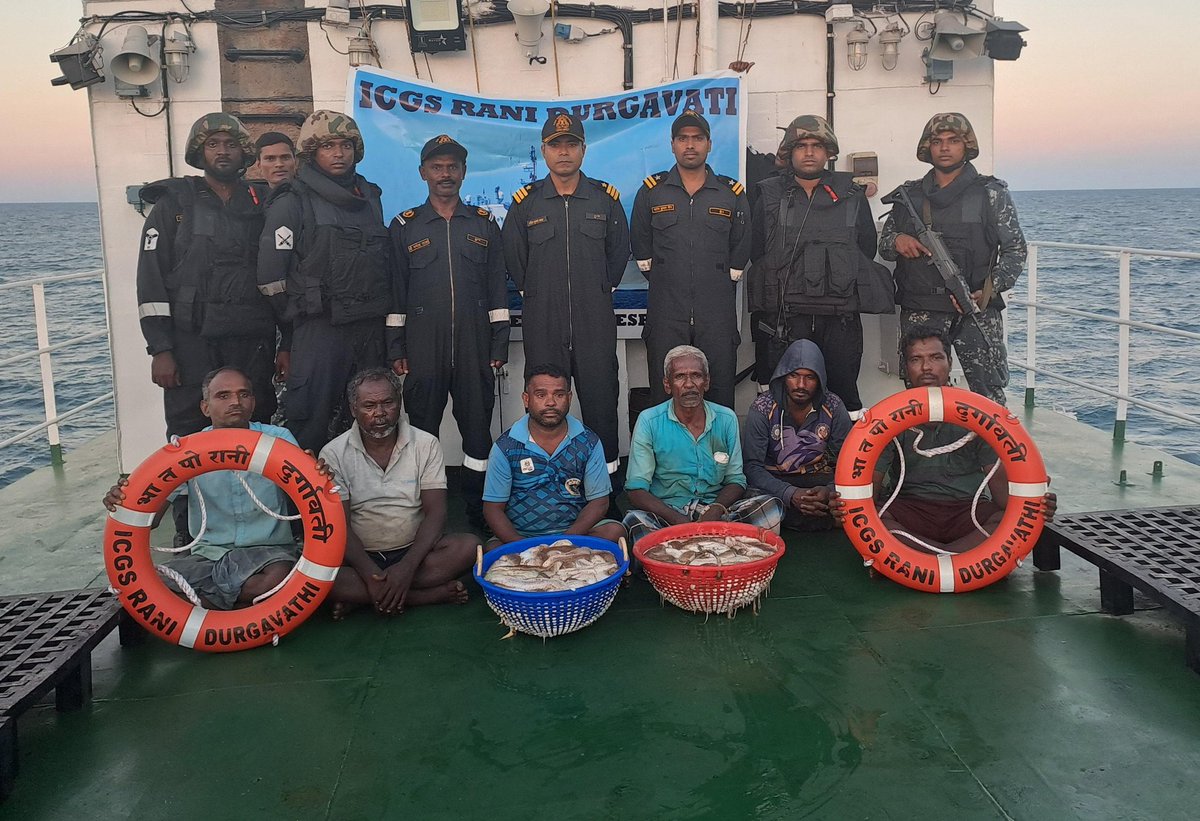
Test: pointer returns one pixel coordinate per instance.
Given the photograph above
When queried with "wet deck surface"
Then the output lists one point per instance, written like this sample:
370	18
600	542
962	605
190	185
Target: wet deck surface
845	697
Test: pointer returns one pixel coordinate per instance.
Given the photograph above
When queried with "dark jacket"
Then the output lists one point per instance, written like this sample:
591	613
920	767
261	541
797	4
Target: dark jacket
778	456
197	264
566	255
450	282
325	250
809	255
688	244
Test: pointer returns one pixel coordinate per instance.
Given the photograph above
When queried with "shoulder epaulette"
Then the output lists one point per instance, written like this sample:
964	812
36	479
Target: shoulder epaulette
522	192
736	187
403	216
608	188
654	179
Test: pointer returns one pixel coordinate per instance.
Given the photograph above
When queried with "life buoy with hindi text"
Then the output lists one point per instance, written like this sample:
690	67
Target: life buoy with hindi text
154	606
1013	538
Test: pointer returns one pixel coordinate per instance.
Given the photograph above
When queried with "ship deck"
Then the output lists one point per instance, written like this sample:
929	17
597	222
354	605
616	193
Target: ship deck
846	696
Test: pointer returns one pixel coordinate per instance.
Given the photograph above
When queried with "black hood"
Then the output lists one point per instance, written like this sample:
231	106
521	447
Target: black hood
803	353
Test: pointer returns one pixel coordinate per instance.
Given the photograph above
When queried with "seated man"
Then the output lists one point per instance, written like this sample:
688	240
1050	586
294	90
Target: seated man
393	485
546	474
685	458
241	552
932	512
794	432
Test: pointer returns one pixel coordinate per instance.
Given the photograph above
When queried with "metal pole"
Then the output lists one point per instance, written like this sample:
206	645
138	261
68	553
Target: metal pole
43	341
1031	284
706	35
1122	349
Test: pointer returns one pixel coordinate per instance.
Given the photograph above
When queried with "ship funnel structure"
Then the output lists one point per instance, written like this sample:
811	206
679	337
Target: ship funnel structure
528	15
134	63
954	40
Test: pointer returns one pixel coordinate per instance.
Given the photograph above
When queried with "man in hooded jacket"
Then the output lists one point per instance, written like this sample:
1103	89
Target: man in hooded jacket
792	437
325	262
978	222
813	243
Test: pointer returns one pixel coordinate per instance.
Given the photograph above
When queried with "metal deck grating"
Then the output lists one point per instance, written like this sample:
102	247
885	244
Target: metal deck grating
1156	550
46	640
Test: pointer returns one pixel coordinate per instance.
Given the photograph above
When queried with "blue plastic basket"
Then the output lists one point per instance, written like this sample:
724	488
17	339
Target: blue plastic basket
551	614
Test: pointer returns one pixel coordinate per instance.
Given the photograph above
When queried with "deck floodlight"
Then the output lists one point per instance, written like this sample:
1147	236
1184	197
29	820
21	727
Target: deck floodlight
890	39
436	25
80	63
1003	40
176	51
954	40
528	15
856	47
135	63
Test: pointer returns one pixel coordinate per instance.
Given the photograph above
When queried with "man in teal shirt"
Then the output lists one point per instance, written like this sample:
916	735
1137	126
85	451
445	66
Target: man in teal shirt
241	552
685	458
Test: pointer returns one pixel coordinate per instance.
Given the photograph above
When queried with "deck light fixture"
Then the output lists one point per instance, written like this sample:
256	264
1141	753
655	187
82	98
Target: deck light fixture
361	48
80	63
856	47
175	54
436	25
1003	40
528	15
890	39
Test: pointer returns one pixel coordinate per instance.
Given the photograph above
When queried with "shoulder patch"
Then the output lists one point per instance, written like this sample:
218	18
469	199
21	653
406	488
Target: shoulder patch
522	192
409	214
483	212
609	189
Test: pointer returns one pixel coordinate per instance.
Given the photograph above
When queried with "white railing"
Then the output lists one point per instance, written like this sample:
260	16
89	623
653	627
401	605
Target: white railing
42	353
1122	320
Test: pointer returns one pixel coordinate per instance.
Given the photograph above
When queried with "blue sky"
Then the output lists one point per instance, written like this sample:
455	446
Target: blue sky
1105	99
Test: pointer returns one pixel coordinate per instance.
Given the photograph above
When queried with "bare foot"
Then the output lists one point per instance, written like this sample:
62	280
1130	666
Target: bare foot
342	609
452	592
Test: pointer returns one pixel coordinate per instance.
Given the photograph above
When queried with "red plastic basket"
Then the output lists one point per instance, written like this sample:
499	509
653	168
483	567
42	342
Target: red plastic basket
710	589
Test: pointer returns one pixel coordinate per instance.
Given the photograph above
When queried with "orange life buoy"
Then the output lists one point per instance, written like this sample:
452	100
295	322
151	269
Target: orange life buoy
160	610
1014	537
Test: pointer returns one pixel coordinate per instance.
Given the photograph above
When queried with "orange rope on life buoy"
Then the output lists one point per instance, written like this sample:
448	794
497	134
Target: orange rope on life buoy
160	610
958	573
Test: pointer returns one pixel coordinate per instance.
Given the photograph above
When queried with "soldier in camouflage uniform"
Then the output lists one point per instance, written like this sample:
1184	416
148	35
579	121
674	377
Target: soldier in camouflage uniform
977	219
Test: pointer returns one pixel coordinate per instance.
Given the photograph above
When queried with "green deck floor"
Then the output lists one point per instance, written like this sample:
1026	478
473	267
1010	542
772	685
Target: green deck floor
845	697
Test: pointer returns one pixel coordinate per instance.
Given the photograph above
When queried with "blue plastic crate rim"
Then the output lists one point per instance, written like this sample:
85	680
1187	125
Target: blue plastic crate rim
488	559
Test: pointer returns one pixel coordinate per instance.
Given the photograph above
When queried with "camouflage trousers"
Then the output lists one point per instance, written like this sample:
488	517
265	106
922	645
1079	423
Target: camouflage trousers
979	345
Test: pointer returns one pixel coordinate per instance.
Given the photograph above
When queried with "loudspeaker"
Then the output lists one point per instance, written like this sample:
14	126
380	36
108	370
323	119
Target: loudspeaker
952	40
134	63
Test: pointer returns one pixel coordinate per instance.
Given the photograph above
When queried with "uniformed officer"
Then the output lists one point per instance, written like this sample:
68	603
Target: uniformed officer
325	260
197	302
690	236
977	219
453	305
566	242
814	242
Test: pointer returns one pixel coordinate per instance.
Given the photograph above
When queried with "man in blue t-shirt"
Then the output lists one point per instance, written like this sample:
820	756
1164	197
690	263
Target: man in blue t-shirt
546	474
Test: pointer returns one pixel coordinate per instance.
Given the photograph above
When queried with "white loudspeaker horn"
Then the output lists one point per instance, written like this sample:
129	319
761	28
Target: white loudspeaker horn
134	63
528	15
952	40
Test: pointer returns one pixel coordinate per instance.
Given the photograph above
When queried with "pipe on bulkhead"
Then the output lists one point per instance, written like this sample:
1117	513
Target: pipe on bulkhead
706	35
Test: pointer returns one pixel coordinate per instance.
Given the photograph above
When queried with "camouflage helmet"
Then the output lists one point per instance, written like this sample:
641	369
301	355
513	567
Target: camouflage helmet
807	125
948	121
214	123
324	125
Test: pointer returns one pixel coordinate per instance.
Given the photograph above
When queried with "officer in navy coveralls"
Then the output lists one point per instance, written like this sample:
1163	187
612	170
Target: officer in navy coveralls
566	241
453	310
690	233
546	474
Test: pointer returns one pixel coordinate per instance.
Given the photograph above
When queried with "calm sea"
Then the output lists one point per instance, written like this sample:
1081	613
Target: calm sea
59	238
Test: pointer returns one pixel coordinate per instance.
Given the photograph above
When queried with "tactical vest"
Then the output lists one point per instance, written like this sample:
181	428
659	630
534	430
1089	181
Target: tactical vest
963	225
213	286
811	264
343	263
551	494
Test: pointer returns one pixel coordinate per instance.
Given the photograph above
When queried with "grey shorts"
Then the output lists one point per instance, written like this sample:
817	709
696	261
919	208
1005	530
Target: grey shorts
220	582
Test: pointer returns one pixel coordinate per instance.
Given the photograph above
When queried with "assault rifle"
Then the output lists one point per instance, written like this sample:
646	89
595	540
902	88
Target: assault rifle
941	260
